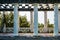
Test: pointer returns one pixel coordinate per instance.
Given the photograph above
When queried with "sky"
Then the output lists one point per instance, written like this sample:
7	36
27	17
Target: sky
50	16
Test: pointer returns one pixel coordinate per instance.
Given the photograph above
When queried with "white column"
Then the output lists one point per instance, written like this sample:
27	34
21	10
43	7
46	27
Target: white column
45	21
19	20
56	20
16	19
4	25
31	22
35	19
59	21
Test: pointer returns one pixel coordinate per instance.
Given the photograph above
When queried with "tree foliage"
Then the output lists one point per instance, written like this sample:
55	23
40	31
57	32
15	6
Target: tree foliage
40	25
50	25
9	19
0	20
22	21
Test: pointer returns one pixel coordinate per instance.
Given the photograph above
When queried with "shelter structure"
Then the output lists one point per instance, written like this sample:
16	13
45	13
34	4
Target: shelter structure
32	5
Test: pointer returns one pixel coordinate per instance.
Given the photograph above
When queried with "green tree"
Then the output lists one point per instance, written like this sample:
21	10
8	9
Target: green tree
9	19
23	21
40	25
0	19
50	25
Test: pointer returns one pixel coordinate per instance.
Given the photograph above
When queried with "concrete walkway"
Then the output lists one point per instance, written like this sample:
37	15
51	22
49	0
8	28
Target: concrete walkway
26	34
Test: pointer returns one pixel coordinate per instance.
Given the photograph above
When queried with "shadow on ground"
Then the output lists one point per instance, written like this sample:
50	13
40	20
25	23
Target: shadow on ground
29	38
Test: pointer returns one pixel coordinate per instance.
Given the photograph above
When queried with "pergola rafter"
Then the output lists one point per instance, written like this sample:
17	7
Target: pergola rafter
28	7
